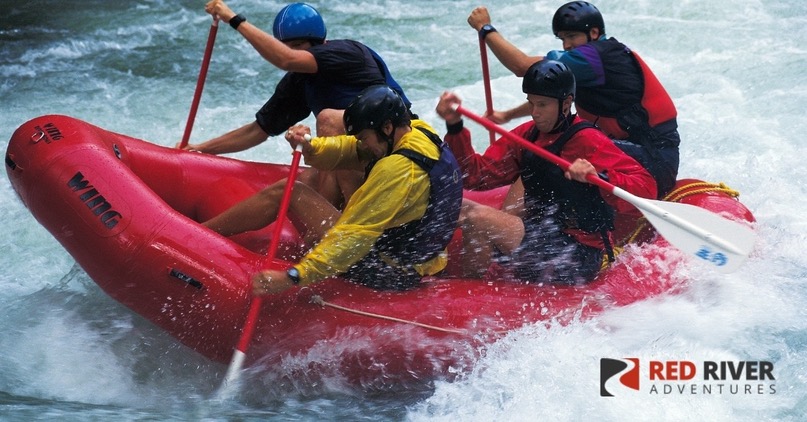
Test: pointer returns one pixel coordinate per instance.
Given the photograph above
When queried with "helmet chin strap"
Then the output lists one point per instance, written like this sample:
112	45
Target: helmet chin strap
389	139
373	160
564	121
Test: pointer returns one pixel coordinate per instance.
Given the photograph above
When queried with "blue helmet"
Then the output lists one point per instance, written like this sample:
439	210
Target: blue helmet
299	21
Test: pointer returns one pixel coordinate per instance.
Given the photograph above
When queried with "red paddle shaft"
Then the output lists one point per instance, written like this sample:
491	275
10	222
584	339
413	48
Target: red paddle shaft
200	83
237	361
483	53
255	306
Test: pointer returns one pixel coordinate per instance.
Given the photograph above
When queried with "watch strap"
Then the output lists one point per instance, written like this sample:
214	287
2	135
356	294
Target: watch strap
237	20
294	275
485	30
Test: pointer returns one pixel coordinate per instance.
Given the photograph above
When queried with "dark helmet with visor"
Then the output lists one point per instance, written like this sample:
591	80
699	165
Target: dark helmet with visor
549	78
373	107
579	16
299	21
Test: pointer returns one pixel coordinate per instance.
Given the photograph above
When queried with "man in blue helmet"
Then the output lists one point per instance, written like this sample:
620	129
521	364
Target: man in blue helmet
322	77
397	225
615	88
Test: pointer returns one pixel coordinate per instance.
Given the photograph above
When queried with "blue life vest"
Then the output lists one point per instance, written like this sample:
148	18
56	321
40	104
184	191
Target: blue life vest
421	240
389	80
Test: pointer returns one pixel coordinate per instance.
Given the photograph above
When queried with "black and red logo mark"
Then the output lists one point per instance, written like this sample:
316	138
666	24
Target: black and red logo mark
49	133
628	368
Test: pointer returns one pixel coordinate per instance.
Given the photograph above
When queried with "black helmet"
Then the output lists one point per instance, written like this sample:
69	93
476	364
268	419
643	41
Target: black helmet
549	78
578	16
373	107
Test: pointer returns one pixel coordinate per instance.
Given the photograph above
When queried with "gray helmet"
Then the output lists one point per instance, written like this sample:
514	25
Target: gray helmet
373	107
578	16
549	78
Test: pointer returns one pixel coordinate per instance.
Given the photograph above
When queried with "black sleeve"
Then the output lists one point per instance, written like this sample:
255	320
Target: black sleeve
286	107
347	62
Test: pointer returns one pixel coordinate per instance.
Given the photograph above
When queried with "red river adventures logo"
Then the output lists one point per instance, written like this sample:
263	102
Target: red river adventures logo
683	377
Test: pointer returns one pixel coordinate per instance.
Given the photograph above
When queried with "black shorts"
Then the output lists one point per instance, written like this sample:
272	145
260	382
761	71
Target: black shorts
548	255
374	272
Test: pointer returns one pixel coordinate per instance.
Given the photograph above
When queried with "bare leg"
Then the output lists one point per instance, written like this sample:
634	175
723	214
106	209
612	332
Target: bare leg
324	182
335	186
330	122
253	213
514	201
348	182
312	213
484	230
338	185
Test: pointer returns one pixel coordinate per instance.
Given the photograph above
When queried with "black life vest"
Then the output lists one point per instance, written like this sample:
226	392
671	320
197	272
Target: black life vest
580	205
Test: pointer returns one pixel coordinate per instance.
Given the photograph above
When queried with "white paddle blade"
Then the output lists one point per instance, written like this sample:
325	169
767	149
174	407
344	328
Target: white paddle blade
229	387
717	241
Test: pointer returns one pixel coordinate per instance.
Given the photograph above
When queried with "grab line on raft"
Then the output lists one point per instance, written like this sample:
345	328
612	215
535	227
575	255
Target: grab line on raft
317	299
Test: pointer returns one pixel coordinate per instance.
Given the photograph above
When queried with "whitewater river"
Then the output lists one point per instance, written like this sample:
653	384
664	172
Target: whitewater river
735	70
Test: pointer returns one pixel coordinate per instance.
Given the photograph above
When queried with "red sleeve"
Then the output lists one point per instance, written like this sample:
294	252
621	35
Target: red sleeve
622	170
498	166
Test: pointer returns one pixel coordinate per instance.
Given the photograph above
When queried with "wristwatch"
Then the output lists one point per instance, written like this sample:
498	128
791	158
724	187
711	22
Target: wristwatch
485	30
294	275
237	20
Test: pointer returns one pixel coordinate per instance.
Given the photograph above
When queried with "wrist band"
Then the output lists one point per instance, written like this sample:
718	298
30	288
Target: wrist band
237	20
455	128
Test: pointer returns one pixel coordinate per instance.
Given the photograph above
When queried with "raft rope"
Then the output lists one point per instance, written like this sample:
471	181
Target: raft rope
317	299
676	195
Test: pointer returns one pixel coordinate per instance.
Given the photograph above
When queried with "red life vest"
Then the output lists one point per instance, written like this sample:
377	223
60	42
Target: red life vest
617	59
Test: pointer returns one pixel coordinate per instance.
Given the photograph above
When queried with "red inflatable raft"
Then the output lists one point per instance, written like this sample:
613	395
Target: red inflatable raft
128	212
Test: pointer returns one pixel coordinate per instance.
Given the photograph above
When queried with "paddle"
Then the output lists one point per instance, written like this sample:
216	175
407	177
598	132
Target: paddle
483	53
200	83
231	378
723	243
